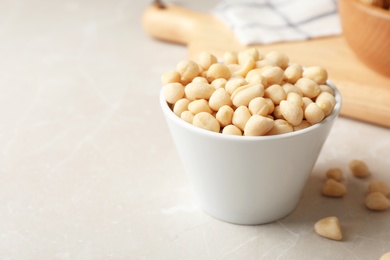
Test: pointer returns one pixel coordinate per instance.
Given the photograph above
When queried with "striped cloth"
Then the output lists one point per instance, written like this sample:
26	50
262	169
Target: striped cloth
269	21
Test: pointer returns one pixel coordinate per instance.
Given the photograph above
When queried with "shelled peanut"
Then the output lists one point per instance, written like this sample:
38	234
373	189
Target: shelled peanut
249	93
376	198
329	227
333	187
359	168
385	256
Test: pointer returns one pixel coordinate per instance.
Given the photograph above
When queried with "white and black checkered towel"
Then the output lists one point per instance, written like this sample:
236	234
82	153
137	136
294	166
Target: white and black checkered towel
268	21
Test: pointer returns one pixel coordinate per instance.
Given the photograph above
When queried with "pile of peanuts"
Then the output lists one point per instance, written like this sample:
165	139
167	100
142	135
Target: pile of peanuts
376	198
377	191
248	93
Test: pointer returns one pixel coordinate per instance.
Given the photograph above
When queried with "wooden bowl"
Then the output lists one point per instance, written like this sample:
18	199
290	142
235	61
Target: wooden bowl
367	30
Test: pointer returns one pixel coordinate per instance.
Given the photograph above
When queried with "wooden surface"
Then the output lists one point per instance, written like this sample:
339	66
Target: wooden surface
365	93
367	31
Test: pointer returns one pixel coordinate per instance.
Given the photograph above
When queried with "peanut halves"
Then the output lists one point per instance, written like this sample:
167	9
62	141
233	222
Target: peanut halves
267	92
329	228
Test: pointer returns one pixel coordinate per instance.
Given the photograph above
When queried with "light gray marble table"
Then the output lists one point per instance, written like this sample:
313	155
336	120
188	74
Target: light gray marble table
88	169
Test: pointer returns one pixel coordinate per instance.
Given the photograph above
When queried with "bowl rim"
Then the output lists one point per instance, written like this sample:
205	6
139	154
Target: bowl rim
370	9
172	116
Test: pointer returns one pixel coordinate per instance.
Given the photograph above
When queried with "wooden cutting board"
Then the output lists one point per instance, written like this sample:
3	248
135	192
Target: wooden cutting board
365	93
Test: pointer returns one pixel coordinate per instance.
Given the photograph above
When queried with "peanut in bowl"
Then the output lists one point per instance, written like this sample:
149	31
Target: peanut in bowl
248	179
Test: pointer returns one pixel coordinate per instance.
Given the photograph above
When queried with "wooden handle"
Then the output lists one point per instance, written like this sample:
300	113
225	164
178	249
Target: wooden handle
172	23
181	25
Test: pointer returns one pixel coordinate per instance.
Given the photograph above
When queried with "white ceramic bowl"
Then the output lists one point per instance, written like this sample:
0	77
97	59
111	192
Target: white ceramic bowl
248	179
